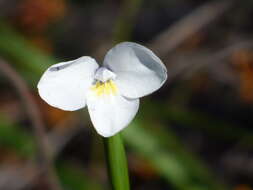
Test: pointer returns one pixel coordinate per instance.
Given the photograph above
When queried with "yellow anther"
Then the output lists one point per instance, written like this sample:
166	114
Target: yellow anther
105	88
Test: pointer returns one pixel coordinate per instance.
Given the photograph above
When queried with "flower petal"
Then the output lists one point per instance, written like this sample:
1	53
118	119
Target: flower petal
111	113
139	71
64	85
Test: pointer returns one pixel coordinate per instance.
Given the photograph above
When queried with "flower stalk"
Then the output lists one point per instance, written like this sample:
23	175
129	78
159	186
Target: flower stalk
116	162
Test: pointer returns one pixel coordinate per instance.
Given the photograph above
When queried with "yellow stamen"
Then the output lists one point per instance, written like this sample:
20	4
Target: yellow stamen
105	88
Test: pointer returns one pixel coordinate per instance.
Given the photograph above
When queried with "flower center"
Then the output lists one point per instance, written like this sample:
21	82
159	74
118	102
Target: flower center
105	88
103	74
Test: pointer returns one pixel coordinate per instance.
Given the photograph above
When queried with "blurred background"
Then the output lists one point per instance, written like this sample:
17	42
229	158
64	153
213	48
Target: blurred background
195	133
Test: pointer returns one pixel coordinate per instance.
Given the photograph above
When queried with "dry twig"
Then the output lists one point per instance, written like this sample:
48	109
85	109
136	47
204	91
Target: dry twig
57	138
187	26
33	112
186	67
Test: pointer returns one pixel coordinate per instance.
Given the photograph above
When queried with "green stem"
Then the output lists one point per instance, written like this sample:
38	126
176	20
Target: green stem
116	162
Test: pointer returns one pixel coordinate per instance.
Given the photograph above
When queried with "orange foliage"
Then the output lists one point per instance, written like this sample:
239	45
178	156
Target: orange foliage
36	15
42	43
141	167
52	116
242	187
243	60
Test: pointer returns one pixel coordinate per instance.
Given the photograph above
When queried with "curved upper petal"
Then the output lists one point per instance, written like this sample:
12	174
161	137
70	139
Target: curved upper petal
138	70
111	113
65	85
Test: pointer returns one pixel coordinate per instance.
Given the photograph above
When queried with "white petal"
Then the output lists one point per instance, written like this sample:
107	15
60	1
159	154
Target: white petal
111	113
65	85
139	71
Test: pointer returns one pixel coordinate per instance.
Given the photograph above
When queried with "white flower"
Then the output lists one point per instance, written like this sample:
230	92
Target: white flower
111	92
